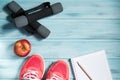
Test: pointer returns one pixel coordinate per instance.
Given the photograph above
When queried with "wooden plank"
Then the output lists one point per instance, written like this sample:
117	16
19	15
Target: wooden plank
83	28
107	9
87	29
57	48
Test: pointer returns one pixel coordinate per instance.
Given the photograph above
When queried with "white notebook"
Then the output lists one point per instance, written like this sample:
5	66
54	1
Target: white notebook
92	66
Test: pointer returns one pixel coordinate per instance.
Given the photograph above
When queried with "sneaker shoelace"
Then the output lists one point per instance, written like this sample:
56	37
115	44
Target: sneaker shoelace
55	77
31	75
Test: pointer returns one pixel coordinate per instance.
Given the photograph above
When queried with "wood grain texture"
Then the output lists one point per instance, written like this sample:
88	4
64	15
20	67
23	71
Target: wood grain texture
83	27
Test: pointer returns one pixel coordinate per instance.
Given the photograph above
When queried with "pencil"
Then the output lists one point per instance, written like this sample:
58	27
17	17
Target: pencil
84	71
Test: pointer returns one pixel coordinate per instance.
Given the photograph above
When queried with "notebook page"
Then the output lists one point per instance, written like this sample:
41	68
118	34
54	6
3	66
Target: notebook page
95	64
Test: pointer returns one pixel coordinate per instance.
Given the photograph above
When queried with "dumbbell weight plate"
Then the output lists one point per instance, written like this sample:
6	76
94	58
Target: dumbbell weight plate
21	21
43	31
14	7
57	8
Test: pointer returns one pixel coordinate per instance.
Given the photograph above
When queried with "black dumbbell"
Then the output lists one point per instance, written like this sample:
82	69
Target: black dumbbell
17	10
34	27
45	12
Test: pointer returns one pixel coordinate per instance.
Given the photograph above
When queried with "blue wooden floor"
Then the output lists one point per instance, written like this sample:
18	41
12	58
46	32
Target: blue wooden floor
83	27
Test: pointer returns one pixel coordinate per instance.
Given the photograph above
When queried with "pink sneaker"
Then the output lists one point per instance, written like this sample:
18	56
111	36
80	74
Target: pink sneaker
58	71
32	69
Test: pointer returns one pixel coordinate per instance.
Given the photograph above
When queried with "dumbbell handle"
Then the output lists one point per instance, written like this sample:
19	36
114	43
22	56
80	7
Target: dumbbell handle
40	14
37	8
48	11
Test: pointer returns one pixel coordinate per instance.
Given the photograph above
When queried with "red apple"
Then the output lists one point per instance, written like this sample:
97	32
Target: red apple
22	47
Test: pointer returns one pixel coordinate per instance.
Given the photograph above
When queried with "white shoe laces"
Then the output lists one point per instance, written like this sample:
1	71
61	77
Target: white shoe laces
55	77
30	75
